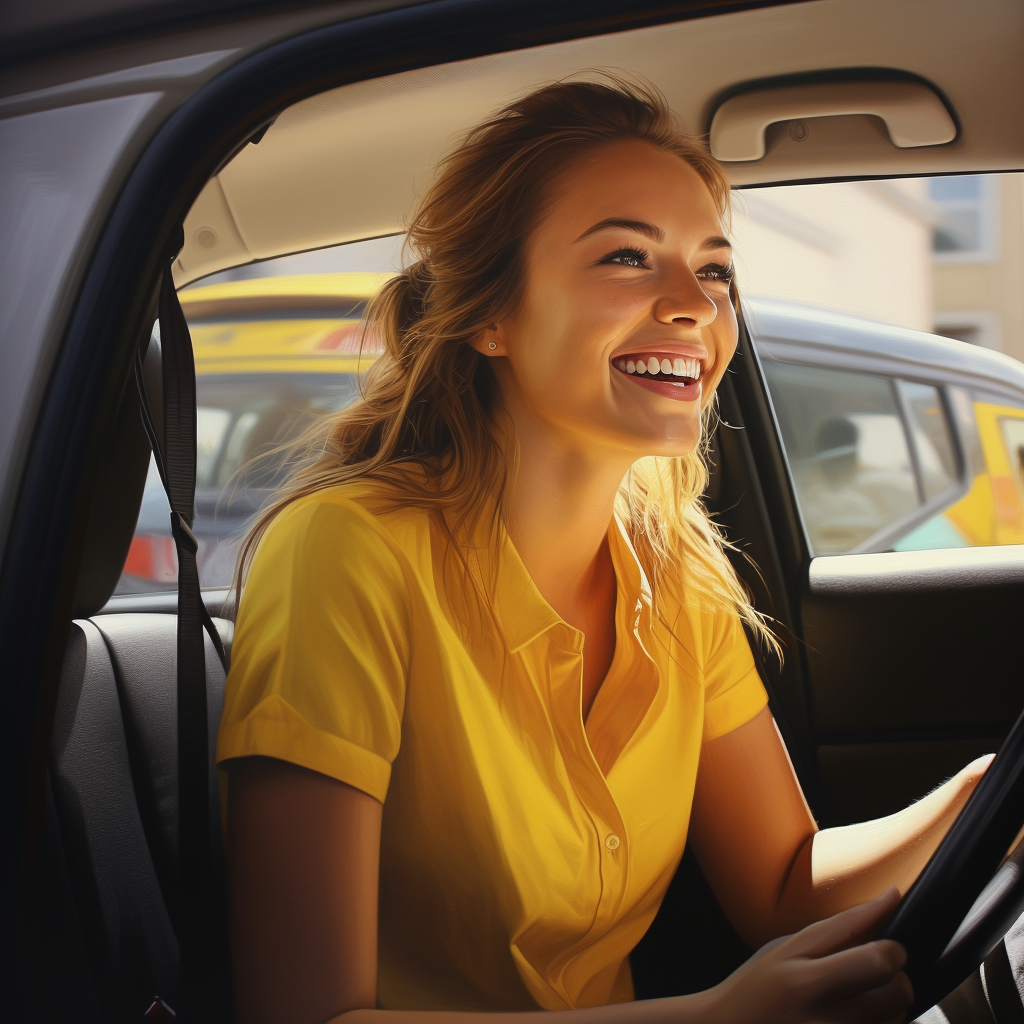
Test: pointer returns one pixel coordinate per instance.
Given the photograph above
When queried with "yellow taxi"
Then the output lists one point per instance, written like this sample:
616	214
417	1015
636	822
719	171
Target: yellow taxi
271	355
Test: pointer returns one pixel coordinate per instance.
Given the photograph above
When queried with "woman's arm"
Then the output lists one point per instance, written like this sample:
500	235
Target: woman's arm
303	853
771	869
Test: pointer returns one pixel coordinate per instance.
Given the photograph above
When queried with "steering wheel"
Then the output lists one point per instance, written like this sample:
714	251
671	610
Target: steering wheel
968	895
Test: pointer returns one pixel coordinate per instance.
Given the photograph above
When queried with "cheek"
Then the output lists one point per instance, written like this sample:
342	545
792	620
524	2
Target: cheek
564	334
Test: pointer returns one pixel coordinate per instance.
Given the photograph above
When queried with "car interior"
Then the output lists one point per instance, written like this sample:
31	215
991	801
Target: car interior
899	666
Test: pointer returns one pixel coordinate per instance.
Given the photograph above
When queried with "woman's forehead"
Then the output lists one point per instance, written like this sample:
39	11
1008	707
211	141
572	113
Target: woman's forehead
632	181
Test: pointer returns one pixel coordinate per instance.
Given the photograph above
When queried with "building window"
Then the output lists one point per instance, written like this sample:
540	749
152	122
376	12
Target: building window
966	228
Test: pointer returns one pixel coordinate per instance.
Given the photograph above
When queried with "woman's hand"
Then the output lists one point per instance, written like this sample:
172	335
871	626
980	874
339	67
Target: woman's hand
831	971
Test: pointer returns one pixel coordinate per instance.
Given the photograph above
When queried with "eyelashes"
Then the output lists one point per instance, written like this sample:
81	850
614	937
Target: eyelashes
630	256
717	272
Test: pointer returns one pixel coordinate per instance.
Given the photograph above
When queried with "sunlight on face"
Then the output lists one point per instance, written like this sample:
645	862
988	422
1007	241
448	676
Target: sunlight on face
625	326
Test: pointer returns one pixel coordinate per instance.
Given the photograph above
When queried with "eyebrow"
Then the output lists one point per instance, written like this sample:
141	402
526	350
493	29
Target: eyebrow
651	231
716	242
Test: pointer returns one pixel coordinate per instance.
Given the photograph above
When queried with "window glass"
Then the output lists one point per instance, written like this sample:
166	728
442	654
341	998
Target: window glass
956	187
848	453
276	348
964	222
211	427
941	256
932	442
1013	437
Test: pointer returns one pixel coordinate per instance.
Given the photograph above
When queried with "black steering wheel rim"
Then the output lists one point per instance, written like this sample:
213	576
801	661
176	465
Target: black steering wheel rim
966	898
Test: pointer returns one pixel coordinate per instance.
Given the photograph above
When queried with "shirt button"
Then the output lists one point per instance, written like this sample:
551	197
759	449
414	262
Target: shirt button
611	841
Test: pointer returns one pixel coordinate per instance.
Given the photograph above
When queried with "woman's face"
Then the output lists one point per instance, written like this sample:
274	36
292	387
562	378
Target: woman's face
625	325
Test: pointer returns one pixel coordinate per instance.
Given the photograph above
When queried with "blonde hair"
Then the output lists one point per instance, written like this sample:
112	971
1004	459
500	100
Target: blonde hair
430	398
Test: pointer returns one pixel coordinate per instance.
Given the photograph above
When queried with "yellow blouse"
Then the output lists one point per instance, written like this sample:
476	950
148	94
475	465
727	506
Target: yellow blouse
523	853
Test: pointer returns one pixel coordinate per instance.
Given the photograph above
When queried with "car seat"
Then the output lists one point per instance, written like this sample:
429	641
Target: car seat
111	907
114	810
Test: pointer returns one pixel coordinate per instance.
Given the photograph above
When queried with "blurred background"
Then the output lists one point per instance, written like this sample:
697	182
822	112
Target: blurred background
277	345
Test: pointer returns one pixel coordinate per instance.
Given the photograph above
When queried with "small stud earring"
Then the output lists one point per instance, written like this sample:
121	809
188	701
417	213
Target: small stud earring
492	345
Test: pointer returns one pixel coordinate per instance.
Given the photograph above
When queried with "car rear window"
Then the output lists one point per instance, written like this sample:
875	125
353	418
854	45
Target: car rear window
276	347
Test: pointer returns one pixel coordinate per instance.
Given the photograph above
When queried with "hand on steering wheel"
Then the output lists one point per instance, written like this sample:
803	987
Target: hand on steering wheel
831	971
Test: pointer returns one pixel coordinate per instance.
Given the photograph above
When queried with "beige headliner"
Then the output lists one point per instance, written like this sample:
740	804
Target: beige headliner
349	163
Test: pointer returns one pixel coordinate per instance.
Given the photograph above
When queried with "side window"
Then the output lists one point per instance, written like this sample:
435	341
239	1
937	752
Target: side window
276	348
849	454
914	278
933	442
878	465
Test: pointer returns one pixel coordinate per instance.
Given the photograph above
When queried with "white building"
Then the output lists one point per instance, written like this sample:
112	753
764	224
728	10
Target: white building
860	247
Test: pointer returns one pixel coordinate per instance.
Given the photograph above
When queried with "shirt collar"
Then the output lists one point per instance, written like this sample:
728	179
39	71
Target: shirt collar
520	609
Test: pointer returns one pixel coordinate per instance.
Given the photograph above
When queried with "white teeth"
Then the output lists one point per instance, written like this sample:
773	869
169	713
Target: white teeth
680	366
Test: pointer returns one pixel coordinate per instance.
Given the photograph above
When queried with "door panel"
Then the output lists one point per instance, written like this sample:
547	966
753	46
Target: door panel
869	780
915	666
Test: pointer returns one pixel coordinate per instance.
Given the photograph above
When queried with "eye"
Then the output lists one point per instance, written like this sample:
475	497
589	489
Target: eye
628	257
716	272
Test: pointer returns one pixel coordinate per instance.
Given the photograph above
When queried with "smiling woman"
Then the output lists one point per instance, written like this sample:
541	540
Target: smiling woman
487	633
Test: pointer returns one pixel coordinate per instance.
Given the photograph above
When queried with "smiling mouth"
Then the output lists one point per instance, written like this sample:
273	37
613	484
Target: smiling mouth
680	370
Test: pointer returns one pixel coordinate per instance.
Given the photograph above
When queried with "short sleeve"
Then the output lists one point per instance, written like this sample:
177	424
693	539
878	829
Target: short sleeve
320	655
733	691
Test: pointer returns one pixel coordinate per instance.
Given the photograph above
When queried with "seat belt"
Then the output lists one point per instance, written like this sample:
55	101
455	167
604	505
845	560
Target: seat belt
175	456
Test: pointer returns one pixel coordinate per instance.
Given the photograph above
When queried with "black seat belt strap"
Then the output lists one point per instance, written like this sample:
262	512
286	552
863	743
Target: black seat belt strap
175	455
177	522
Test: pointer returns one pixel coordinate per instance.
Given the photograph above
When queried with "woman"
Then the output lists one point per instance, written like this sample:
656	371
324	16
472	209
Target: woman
488	632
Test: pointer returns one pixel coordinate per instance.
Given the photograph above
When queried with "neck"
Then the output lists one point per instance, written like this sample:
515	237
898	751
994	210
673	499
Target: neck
559	505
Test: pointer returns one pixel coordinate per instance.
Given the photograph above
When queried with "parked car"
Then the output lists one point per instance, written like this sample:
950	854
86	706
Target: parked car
868	476
272	354
896	440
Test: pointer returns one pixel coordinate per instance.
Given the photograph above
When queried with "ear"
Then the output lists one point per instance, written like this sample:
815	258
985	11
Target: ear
491	341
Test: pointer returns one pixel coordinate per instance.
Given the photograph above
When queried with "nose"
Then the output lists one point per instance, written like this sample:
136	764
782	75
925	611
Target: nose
685	303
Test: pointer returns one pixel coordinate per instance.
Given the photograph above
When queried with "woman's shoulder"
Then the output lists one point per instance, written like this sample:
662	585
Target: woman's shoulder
348	515
340	540
709	628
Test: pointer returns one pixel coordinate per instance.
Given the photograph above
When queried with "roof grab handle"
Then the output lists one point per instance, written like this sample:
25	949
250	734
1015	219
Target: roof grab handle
912	112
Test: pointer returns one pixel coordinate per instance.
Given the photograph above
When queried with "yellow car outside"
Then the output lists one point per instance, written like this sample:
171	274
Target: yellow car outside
272	354
298	324
992	511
